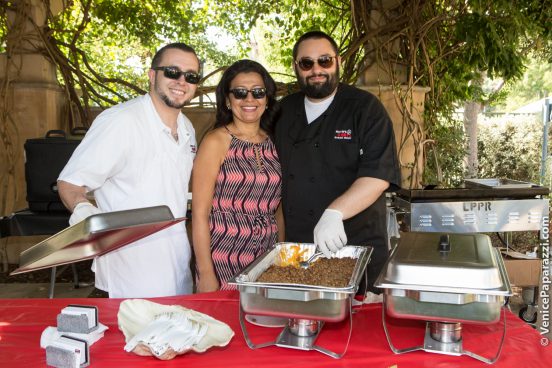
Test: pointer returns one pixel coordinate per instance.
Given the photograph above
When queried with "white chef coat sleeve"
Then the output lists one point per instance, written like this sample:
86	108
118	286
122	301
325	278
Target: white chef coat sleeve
102	152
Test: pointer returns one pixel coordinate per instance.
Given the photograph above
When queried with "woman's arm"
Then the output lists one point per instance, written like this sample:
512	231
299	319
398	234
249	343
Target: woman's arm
205	171
281	224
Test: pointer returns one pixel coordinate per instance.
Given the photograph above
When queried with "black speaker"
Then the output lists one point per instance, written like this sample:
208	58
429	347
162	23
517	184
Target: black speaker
44	160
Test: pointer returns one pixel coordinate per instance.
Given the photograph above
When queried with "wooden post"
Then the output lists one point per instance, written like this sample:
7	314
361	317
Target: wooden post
31	100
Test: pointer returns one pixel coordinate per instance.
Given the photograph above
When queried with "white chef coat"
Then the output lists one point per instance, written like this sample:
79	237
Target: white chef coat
129	160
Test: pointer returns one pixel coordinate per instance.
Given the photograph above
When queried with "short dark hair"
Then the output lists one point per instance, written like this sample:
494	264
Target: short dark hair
175	45
316	35
224	114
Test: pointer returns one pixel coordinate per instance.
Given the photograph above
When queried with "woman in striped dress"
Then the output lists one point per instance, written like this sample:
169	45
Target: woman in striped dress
236	180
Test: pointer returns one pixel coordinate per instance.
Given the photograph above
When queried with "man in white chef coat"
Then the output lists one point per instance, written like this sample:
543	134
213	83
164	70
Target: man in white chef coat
140	154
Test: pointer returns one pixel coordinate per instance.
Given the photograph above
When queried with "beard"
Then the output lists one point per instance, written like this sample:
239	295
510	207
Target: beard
169	102
319	90
163	96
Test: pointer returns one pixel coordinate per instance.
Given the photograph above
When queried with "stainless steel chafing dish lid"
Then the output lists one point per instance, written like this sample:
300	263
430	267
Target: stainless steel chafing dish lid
447	263
96	235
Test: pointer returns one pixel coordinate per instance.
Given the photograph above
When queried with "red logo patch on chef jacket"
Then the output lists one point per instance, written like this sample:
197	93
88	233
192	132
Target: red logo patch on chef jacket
343	134
193	148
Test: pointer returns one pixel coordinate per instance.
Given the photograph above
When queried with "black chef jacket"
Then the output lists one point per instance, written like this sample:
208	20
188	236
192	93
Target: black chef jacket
353	138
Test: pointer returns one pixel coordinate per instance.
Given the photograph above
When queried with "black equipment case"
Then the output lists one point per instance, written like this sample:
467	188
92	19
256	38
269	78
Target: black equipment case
44	160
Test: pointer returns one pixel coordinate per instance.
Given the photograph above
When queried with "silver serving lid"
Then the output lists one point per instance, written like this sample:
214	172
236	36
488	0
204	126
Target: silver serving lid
497	183
443	262
98	234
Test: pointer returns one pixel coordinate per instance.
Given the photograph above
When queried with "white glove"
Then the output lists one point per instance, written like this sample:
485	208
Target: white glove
81	211
329	233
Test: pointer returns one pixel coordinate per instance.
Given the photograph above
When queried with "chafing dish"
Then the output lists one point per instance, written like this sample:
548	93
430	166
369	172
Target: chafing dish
445	279
306	306
466	283
296	300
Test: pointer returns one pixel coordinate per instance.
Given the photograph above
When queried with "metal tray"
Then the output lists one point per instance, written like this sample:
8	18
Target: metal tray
298	300
497	183
469	284
96	235
471	263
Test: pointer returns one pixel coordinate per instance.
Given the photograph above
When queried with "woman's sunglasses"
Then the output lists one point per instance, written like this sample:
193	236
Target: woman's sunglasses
241	93
306	63
172	72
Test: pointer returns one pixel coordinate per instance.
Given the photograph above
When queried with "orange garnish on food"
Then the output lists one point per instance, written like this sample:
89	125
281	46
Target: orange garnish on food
291	256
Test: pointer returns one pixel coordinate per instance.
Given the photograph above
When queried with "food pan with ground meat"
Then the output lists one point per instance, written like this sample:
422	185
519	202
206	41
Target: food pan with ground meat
334	272
297	297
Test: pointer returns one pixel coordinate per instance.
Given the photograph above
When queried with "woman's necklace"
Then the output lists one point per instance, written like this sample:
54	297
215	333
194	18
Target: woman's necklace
251	138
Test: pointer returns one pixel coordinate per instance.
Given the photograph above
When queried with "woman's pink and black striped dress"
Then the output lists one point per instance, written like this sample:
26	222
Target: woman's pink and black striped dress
247	194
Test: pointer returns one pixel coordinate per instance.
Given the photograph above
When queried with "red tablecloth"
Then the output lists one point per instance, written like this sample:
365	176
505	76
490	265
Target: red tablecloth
23	320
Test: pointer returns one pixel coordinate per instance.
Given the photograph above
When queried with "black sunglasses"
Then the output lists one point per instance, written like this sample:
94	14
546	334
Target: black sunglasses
172	72
241	93
306	63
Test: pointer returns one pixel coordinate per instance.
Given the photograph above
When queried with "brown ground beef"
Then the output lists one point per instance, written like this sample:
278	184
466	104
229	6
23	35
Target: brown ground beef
335	272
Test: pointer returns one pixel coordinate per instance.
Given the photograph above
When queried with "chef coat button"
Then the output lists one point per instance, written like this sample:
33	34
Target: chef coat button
316	145
291	176
311	179
311	212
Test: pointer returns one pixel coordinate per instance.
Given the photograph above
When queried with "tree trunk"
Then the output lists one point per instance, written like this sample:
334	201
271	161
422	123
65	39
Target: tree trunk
471	163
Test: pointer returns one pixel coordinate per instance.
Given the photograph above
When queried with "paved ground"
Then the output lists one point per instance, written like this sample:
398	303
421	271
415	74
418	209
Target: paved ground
36	284
41	290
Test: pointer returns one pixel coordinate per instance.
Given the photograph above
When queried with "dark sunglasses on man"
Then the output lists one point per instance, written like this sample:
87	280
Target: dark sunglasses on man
306	63
172	72
241	93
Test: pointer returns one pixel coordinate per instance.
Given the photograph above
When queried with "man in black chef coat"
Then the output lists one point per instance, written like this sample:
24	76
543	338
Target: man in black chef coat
338	155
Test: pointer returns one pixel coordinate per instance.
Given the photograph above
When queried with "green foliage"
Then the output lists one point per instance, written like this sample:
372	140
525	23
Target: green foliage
119	30
535	84
469	38
447	152
478	36
491	42
3	29
511	148
289	19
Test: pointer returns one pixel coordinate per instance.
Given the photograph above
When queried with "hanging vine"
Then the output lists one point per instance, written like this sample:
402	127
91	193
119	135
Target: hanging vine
444	46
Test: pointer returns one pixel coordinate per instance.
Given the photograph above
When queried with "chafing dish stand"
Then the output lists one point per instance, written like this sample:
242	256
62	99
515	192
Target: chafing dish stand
299	334
444	338
307	307
445	280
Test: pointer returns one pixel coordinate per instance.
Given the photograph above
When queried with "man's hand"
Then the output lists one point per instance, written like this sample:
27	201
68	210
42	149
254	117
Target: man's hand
81	211
329	233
